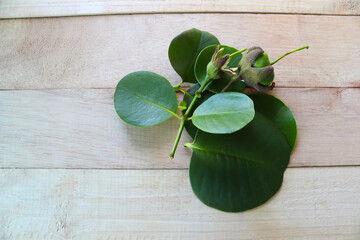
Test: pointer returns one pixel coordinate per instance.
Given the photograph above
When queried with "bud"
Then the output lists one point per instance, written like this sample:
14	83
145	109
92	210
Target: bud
182	106
255	76
264	61
217	65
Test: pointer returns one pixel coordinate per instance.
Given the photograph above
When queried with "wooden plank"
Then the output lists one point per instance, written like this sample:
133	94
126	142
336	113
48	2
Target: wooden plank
95	52
313	203
46	8
80	129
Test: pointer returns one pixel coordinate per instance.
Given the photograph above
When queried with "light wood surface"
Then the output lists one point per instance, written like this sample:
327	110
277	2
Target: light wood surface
70	169
314	203
46	8
80	129
96	52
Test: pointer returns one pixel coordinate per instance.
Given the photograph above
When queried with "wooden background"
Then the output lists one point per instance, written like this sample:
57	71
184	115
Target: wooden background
70	169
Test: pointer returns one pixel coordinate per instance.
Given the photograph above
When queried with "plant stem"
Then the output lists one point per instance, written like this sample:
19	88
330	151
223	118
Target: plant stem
184	117
176	143
196	96
238	52
231	82
298	49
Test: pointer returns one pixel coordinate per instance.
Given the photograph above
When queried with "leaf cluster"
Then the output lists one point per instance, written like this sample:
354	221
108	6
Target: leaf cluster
242	143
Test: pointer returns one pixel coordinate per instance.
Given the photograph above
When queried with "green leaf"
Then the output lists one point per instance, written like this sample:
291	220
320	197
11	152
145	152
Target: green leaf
182	105
218	84
238	171
278	113
144	99
224	113
189	126
184	49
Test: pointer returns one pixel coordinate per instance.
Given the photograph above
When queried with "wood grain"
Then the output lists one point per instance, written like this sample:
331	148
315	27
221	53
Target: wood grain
80	129
313	203
149	196
46	8
95	52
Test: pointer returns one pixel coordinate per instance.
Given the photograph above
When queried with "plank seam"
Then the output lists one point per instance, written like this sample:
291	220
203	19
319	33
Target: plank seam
165	169
185	87
163	13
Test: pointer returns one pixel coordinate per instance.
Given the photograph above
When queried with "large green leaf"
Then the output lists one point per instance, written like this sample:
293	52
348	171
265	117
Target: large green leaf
189	126
239	171
184	49
144	99
278	113
224	113
218	84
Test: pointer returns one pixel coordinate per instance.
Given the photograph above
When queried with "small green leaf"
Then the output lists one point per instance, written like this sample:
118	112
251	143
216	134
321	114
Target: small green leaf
278	113
189	126
184	49
224	113
218	84
144	99
238	171
182	105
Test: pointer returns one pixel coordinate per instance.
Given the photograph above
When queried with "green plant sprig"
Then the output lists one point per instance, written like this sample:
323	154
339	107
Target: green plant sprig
242	143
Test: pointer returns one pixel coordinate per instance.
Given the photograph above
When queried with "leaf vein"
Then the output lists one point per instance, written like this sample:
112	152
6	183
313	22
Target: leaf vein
148	101
233	155
220	113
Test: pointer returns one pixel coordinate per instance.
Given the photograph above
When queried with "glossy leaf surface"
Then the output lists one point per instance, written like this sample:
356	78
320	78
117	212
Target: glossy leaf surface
189	126
239	171
184	49
224	113
278	113
144	99
218	84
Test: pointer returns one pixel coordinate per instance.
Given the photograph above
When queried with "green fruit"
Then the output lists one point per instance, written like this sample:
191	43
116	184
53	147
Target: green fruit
264	61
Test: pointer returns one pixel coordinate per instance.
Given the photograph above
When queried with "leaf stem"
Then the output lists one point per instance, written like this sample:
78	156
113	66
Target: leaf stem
178	85
184	118
177	88
237	52
231	82
298	49
183	91
177	116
